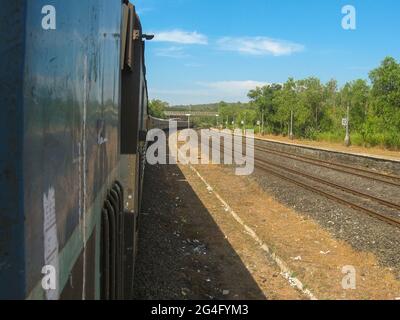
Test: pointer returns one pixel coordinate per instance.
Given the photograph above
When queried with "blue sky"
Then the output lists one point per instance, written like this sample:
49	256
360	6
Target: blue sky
212	50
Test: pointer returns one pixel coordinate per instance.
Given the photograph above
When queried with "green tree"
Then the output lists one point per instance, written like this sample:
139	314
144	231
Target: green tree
356	95
386	91
331	119
312	99
263	99
157	108
248	116
285	101
385	102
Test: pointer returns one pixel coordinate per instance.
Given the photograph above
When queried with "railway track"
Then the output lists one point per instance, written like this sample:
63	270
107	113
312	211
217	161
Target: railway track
335	185
383	217
276	170
355	171
386	178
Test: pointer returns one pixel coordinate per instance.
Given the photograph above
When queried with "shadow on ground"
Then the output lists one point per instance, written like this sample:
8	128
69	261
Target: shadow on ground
182	252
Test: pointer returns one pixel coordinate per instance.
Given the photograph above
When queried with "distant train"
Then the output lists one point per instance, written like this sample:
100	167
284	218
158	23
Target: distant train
73	95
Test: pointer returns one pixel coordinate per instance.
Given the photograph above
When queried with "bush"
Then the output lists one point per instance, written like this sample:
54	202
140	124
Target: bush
330	136
357	139
311	133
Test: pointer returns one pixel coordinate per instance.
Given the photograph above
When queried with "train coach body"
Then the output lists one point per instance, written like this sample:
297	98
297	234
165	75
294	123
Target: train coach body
165	124
74	104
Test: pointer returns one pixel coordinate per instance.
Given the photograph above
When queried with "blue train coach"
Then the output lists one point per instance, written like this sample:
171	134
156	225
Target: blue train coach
73	96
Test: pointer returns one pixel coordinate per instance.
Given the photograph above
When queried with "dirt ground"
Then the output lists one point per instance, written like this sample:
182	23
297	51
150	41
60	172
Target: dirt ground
209	234
313	255
190	249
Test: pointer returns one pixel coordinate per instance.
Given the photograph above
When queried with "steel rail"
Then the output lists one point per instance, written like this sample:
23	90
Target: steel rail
332	165
266	166
382	217
335	185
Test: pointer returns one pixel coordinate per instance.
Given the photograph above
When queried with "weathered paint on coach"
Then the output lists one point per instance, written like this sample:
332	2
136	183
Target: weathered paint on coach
60	142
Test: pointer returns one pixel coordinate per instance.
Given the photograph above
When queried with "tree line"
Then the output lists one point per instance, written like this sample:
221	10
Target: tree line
318	108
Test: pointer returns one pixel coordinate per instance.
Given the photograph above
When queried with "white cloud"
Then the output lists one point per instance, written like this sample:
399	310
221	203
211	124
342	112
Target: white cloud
259	46
143	11
189	92
193	65
208	92
233	86
180	36
171	52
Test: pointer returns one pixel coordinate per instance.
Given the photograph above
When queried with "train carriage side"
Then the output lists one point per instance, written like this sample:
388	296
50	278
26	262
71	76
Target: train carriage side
74	99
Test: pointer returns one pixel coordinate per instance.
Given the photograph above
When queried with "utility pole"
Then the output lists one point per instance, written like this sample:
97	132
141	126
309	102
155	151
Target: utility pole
188	120
347	140
291	125
262	122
